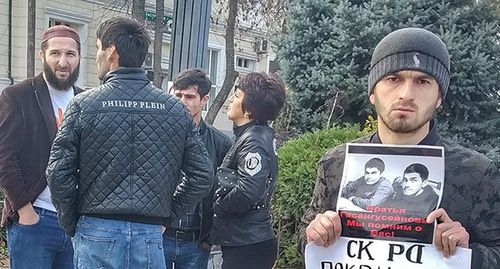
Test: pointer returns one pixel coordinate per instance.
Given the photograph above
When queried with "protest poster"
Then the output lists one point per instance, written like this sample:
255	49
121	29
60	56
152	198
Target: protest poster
352	253
385	195
387	191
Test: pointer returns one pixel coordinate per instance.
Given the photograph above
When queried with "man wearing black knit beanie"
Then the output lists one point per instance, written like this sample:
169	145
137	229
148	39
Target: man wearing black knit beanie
408	81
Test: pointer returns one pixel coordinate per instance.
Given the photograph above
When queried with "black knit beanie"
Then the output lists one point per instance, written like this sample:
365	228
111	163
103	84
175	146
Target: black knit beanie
411	49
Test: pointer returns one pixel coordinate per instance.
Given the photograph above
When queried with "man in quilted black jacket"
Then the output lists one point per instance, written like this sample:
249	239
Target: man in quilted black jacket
115	164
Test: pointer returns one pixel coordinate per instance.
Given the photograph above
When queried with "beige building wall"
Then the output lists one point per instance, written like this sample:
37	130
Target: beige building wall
4	35
19	41
86	15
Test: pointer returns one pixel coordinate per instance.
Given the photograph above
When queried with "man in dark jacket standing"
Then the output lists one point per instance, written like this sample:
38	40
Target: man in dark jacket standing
185	240
115	165
30	113
408	81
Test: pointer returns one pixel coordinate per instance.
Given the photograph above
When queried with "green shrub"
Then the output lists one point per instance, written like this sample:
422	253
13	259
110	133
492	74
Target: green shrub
298	159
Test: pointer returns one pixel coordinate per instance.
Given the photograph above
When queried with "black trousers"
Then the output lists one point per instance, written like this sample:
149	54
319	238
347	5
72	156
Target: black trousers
255	256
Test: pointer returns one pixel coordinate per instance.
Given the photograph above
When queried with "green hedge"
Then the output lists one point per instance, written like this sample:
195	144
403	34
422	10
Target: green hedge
298	159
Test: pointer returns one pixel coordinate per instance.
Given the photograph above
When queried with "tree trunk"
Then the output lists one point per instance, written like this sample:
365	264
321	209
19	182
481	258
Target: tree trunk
138	9
157	45
30	56
231	74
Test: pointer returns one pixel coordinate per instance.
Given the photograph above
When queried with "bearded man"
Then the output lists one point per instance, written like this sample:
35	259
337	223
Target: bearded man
30	114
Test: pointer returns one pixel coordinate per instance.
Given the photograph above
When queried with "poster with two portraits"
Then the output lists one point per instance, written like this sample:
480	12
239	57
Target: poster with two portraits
385	195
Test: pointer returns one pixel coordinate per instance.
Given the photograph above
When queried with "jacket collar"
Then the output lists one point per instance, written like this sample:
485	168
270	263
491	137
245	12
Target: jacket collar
133	73
202	128
239	130
431	139
43	99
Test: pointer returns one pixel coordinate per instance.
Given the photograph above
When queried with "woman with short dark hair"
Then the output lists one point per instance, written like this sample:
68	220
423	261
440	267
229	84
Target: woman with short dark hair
247	176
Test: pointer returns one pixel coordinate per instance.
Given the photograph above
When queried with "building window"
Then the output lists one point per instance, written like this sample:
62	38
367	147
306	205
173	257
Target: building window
53	22
245	65
213	67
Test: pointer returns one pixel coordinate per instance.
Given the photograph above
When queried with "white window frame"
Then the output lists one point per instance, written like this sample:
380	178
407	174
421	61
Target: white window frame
219	76
252	64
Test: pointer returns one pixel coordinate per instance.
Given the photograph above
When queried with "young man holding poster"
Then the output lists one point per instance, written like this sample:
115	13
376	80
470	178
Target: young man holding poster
408	81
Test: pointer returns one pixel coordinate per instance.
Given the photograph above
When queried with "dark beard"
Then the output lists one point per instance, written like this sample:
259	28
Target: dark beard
58	84
405	126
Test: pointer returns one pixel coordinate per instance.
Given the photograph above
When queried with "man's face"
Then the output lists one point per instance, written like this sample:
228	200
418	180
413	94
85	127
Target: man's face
405	101
102	60
372	175
61	62
412	184
192	99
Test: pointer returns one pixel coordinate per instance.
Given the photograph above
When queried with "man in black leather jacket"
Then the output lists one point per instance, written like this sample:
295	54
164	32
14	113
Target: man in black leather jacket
115	164
185	240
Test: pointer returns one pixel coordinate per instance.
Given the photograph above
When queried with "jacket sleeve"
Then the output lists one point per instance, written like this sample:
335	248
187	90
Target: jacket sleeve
62	171
316	206
326	190
254	167
382	192
224	147
199	178
484	228
11	177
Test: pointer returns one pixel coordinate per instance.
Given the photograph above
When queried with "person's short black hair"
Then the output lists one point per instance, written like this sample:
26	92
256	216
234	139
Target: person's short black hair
264	96
377	163
128	36
418	168
193	77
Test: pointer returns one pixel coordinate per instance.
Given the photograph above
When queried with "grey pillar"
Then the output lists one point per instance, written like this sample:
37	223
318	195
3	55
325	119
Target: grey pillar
31	52
191	22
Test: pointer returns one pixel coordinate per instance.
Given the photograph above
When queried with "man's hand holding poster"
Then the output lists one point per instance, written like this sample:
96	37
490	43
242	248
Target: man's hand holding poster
386	195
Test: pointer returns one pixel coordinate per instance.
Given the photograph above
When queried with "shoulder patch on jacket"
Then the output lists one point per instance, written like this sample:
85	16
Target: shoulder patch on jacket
253	163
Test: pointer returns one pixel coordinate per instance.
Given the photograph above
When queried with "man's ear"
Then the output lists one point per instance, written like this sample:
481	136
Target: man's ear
111	53
204	100
372	98
41	54
439	102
